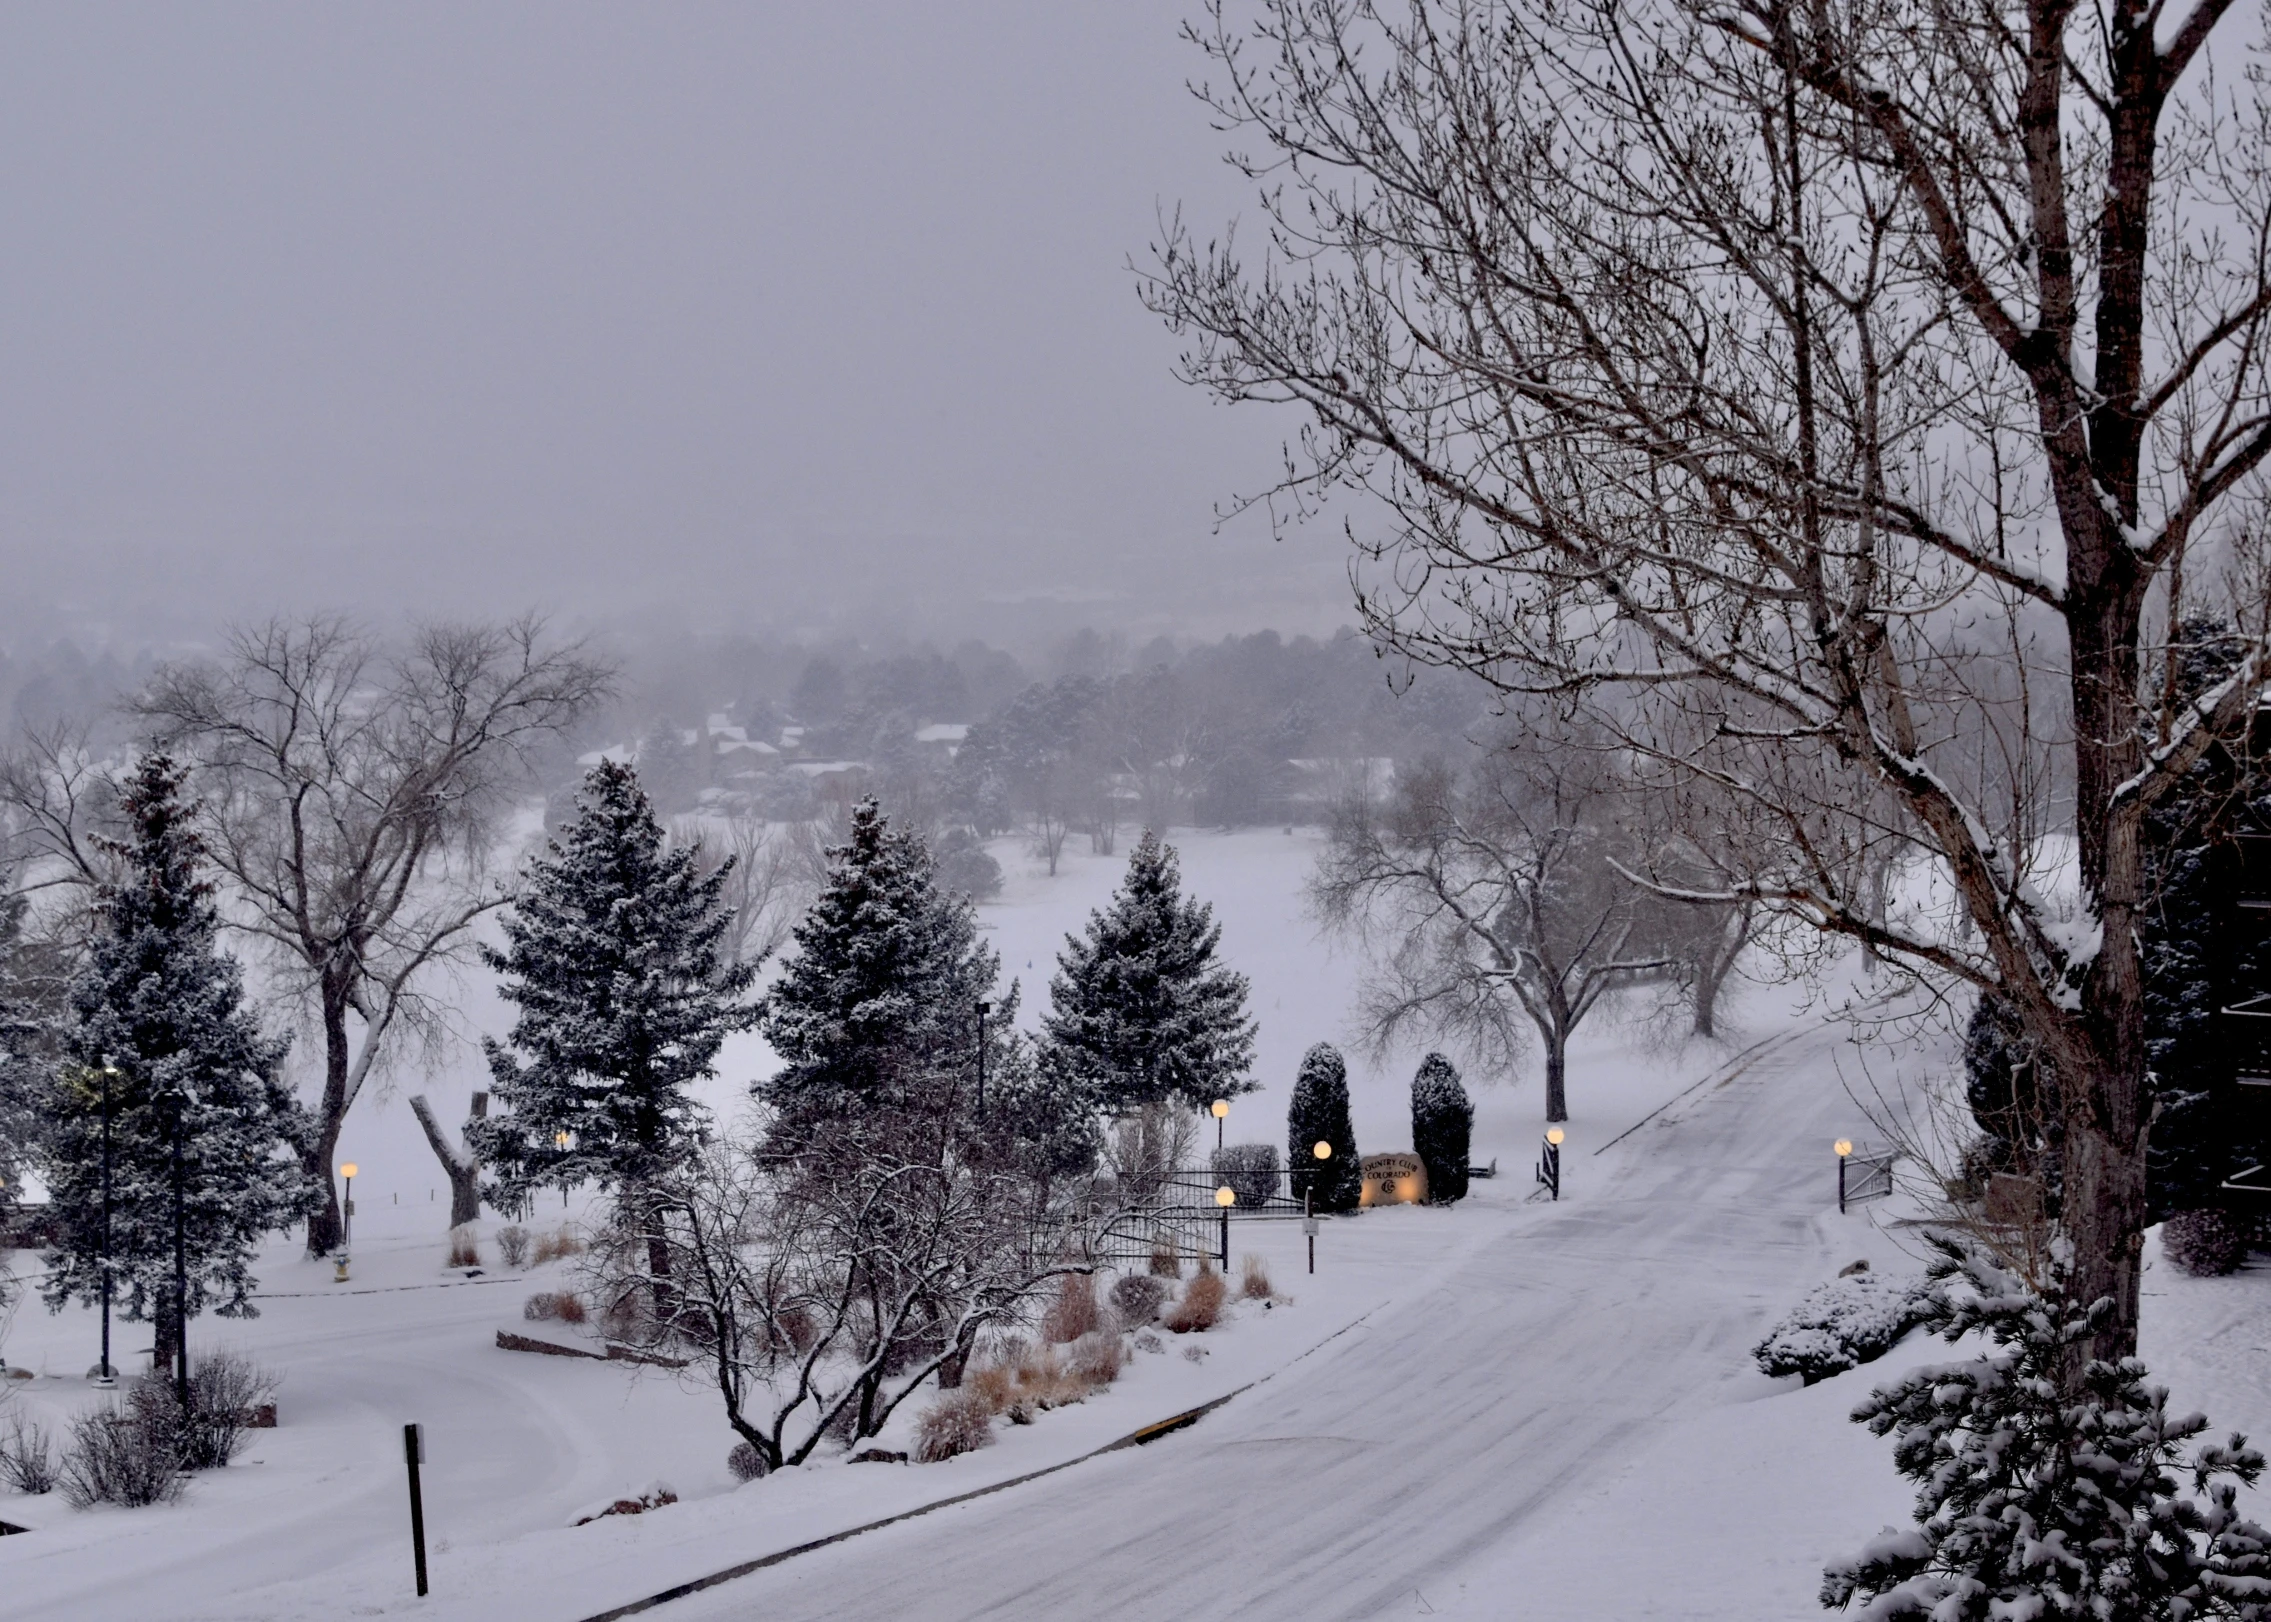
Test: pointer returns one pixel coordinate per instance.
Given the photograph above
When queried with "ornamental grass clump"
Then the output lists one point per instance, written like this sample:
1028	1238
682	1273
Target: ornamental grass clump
960	1421
464	1248
1254	1278
1201	1303
1073	1313
512	1244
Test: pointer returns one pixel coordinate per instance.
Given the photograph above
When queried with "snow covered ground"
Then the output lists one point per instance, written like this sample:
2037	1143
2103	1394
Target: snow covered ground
1508	1408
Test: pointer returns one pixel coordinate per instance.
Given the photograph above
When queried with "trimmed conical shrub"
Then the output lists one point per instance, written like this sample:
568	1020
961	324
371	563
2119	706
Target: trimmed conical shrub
1442	1122
1320	1115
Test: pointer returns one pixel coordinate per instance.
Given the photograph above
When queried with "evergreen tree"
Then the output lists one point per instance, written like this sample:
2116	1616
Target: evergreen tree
202	1130
875	1014
1442	1122
613	958
1141	1009
1319	1114
2040	1494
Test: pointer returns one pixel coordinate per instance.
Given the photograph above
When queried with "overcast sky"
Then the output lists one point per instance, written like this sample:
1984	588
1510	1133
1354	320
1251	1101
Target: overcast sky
763	314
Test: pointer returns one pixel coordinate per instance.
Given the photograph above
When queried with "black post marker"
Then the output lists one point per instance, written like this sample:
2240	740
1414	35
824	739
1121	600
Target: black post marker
414	1454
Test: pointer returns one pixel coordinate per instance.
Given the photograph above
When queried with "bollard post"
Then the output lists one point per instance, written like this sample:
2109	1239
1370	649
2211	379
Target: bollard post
414	1454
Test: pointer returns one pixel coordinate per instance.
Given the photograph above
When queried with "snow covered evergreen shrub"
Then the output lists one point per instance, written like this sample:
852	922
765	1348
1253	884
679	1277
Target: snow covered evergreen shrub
1136	1298
1319	1114
512	1244
27	1457
960	1421
123	1452
1251	1171
1201	1305
1843	1324
1442	1125
965	865
2205	1243
745	1461
464	1248
1073	1313
2050	1485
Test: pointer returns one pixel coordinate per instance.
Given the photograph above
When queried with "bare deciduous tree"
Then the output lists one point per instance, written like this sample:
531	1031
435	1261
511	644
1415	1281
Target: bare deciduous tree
1785	367
1490	900
819	1295
353	796
769	884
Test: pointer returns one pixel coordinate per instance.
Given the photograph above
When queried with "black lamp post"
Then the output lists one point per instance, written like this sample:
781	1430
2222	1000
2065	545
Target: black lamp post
180	1268
1220	1109
104	1375
984	1008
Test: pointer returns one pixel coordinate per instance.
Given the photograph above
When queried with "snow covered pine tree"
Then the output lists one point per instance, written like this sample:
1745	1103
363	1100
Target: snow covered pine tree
1141	1010
2048	1482
203	1132
1319	1114
1442	1122
612	957
875	1015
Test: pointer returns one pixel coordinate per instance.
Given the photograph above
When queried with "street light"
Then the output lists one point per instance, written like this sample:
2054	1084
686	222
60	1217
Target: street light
984	1008
347	1213
1549	1163
105	1376
1221	1111
1323	1151
1225	1197
1844	1147
560	1142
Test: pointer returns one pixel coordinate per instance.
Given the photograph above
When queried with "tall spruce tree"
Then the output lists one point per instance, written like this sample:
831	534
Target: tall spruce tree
875	1014
1319	1114
1141	1009
204	1135
613	958
1442	1123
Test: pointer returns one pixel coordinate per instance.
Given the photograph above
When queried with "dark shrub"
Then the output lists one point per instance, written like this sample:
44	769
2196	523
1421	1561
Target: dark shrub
1250	1169
745	1461
1319	1114
2204	1243
124	1452
1136	1298
1442	1122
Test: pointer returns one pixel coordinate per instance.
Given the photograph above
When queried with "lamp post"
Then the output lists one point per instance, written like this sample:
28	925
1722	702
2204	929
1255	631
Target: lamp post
1323	1151
1225	1197
560	1142
105	1376
984	1008
1220	1109
347	1210
180	1269
1844	1147
1549	1163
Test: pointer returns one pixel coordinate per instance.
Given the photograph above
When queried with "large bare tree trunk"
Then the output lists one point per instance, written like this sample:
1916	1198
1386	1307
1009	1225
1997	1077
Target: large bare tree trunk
458	1165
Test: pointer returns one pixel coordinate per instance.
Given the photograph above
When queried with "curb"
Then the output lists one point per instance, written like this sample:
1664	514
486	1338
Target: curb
1135	1438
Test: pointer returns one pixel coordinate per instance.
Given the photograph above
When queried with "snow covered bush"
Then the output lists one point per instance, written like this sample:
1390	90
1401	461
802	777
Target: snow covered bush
2049	1484
1166	1257
1201	1304
1442	1124
464	1248
1251	1171
558	1245
226	1391
123	1452
1073	1313
554	1306
960	1421
1841	1325
746	1463
512	1244
27	1457
2205	1243
1319	1114
654	1495
1136	1298
1254	1278
1095	1360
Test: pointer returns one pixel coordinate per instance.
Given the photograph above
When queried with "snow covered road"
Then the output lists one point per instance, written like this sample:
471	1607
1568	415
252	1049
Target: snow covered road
1373	1476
